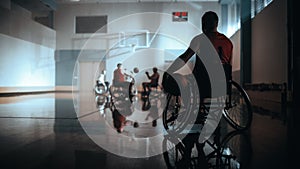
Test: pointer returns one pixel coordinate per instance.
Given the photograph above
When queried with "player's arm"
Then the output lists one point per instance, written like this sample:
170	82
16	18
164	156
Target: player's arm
181	60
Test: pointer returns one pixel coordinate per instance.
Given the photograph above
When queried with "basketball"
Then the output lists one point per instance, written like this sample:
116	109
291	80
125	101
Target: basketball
136	70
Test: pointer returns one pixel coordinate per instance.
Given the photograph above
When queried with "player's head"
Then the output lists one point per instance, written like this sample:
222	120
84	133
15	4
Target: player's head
119	65
209	21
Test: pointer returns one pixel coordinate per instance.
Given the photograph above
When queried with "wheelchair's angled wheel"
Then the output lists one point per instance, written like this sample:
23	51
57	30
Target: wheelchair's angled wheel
100	89
175	116
239	113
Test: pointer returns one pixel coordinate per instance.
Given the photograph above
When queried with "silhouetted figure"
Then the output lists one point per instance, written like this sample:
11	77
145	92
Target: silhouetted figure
224	48
154	78
220	42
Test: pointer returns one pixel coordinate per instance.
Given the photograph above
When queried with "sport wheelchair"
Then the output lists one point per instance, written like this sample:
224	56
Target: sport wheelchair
235	106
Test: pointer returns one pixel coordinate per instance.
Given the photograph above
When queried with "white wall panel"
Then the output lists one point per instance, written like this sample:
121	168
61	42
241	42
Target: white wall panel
25	64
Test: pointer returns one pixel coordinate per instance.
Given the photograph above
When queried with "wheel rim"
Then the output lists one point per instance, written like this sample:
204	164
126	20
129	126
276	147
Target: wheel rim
239	113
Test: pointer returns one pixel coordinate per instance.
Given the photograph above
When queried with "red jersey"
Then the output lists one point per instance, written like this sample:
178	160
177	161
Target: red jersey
118	76
220	42
223	46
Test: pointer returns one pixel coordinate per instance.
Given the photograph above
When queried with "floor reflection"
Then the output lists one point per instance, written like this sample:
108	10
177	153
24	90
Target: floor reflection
129	127
48	131
232	150
121	111
222	150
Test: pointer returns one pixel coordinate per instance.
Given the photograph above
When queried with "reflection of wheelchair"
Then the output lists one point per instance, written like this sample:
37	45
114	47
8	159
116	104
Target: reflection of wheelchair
102	102
231	151
121	107
125	89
